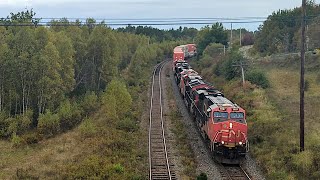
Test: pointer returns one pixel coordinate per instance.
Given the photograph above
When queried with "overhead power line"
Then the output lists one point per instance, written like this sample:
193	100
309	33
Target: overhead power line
124	24
48	21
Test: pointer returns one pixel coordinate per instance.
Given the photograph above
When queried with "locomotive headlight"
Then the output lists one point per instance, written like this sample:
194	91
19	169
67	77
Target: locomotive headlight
230	125
240	143
222	142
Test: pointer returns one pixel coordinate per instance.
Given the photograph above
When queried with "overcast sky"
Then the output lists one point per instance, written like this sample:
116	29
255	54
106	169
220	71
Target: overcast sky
108	9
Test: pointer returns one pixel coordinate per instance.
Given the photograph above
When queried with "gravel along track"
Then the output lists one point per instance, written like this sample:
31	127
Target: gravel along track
233	172
171	143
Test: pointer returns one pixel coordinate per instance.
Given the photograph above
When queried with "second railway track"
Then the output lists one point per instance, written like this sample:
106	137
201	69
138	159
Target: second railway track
159	162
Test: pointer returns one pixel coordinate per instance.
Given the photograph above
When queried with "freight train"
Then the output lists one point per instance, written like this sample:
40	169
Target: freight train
221	122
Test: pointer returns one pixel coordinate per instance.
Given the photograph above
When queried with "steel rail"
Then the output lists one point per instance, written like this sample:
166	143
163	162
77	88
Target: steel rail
153	169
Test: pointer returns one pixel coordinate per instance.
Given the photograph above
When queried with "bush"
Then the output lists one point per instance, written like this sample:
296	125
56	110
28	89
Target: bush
12	126
48	124
18	125
117	99
69	114
89	103
127	124
31	137
258	78
92	167
202	176
118	168
16	140
87	128
24	121
304	162
230	71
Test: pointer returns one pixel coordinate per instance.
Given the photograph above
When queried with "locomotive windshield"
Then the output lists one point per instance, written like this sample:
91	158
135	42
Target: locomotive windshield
220	116
237	116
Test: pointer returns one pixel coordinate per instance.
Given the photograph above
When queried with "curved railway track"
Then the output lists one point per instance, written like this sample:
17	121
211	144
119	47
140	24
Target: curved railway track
233	172
159	164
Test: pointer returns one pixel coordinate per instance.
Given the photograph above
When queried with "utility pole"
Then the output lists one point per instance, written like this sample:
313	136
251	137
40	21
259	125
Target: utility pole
241	65
302	85
240	36
231	36
307	38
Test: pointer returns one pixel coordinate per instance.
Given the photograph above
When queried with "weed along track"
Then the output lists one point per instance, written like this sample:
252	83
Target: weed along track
159	162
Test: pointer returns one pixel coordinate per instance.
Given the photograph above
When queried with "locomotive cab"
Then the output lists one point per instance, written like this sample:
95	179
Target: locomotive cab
225	128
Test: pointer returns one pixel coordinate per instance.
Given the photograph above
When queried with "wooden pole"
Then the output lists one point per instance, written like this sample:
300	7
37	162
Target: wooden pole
302	85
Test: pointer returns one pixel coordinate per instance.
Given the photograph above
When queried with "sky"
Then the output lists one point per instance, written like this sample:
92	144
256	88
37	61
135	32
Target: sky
138	9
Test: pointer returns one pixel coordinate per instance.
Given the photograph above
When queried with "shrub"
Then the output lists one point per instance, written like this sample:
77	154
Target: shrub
31	137
69	114
230	71
89	103
92	167
117	98
118	168
16	140
258	78
24	121
304	161
248	39
48	124
127	124
202	176
87	128
13	126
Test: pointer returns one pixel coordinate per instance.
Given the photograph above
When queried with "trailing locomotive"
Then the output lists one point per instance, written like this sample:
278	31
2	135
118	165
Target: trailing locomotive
221	122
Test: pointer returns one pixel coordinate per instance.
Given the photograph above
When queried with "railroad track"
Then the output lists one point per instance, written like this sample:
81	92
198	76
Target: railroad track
233	172
160	167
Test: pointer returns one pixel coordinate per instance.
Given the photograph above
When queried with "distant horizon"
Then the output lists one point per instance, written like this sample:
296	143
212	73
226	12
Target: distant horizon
151	9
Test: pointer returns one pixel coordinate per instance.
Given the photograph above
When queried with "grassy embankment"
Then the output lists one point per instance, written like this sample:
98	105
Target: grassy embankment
98	149
101	147
273	115
280	154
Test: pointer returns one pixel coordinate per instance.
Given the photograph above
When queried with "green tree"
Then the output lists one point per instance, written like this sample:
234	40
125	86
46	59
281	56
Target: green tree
67	62
50	84
213	34
104	54
118	97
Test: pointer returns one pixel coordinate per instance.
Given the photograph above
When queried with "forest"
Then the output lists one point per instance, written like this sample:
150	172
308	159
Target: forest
280	33
52	77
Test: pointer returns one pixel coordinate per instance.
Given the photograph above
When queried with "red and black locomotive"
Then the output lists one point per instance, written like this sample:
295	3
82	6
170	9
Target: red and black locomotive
221	122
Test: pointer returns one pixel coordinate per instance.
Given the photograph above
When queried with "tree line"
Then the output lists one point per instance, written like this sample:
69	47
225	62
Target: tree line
52	77
280	33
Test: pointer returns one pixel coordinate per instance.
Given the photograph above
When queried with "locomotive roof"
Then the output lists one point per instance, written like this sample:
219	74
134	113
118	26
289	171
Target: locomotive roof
184	68
196	82
209	91
194	76
218	101
188	71
181	63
